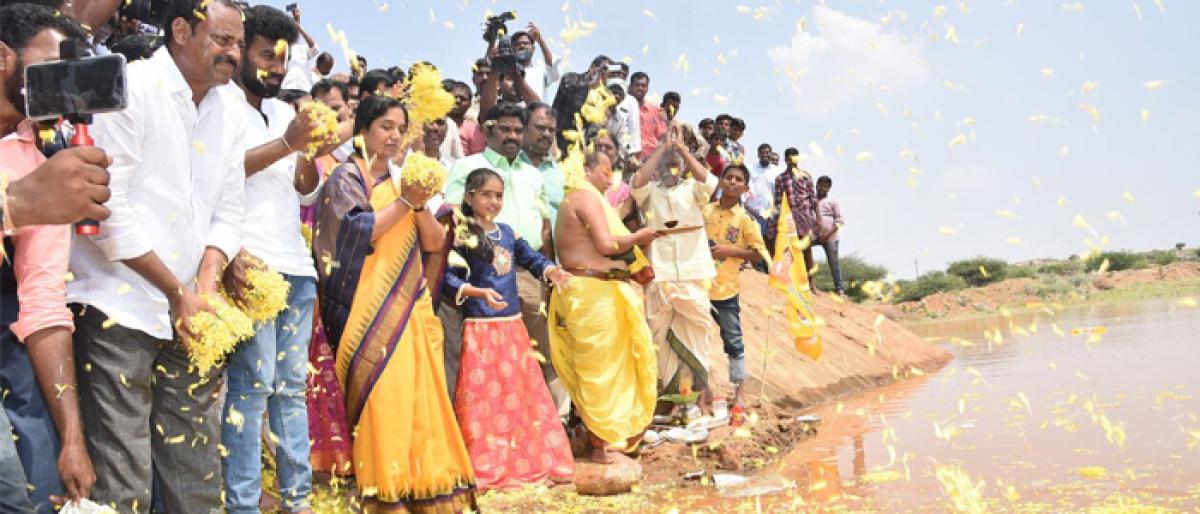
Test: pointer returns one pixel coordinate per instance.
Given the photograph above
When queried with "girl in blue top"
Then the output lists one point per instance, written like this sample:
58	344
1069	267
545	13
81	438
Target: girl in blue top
504	408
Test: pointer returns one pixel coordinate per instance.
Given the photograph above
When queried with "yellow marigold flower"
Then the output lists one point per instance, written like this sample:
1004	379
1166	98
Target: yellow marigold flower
421	169
218	334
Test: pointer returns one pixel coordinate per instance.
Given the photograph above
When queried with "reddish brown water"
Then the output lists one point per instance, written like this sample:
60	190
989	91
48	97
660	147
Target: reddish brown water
1024	419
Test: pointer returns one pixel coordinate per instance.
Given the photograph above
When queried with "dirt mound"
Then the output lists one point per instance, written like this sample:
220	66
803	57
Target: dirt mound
792	380
1021	291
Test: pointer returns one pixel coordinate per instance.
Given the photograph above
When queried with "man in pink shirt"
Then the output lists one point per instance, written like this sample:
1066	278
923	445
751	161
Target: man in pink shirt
653	122
469	132
33	308
829	227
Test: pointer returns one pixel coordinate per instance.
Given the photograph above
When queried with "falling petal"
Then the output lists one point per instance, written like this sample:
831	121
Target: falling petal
958	140
1092	111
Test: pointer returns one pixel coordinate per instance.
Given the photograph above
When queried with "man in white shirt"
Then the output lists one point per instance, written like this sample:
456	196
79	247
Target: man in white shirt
177	182
267	372
671	189
762	190
624	122
539	78
307	64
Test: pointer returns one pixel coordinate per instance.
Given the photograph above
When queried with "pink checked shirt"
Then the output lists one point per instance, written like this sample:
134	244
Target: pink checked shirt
41	251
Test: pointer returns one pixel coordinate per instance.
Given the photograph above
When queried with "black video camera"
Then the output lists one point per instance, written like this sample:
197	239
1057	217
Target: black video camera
149	12
496	32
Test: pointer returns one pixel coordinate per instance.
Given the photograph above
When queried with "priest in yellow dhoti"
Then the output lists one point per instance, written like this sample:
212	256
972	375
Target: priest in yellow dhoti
600	344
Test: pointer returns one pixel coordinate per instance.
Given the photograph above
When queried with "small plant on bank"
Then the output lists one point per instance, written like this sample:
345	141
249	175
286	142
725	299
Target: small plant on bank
929	283
1117	261
979	271
855	273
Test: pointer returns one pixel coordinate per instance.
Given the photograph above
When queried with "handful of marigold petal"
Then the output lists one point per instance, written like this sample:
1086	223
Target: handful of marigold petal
265	296
426	171
326	132
217	333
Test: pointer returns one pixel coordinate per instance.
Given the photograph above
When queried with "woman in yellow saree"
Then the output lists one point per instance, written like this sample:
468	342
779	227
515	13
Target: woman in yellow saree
377	248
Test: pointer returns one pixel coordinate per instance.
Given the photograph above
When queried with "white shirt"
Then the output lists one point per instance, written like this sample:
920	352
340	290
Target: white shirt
271	226
625	127
683	256
540	77
762	187
452	147
301	60
177	181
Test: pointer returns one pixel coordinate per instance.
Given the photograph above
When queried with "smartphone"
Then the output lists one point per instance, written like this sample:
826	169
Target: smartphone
90	85
290	7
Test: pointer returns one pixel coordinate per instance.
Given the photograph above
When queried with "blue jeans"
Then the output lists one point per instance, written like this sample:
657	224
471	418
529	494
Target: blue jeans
13	495
728	315
835	268
267	374
29	416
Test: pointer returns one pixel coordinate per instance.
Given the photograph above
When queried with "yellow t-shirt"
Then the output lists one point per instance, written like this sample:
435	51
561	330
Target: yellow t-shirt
730	227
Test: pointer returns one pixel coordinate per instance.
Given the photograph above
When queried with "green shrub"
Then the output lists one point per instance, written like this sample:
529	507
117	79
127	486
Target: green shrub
1067	267
1162	257
970	271
1117	261
855	272
1021	272
929	283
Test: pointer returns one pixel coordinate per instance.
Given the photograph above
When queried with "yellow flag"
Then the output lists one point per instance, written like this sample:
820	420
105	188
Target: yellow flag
789	276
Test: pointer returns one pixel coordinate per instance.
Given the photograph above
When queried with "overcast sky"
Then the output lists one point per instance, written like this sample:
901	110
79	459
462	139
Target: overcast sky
998	128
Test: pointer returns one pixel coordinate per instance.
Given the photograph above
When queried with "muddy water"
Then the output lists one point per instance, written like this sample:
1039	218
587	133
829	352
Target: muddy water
1101	415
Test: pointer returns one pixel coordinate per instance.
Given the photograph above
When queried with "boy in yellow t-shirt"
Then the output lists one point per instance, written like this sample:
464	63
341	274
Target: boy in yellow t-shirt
735	240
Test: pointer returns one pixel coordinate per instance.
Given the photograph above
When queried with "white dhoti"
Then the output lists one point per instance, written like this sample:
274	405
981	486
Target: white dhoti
680	319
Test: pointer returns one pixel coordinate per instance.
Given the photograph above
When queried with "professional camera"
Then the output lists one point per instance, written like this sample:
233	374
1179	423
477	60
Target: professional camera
149	12
496	32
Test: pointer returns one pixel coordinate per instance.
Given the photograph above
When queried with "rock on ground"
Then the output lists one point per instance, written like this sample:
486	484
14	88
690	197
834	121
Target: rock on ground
604	480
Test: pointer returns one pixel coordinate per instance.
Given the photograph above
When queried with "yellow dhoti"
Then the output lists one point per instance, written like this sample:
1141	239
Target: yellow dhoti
604	356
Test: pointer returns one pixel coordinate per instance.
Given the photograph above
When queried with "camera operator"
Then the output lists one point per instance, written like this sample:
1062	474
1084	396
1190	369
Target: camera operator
505	83
41	198
539	78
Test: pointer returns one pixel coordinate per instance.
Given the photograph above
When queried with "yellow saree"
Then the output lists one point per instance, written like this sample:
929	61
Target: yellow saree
407	444
602	349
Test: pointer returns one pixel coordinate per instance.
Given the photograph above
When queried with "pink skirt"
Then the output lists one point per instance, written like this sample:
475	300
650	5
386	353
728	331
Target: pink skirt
507	416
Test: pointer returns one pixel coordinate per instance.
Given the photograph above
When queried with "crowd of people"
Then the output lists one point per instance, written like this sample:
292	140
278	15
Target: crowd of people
438	340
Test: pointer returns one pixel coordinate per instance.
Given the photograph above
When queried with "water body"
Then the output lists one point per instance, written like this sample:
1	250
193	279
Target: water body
1024	419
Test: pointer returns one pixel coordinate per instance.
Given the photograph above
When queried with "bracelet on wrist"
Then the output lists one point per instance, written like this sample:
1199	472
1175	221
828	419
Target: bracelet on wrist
287	145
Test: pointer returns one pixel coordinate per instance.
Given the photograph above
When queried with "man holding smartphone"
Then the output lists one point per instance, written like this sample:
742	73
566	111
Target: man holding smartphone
178	183
38	198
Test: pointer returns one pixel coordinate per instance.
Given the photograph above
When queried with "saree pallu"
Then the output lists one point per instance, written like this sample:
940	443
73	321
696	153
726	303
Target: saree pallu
509	419
407	444
327	427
